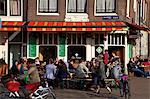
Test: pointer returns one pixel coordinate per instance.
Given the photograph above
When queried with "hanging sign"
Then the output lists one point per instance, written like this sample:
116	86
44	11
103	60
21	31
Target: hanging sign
99	50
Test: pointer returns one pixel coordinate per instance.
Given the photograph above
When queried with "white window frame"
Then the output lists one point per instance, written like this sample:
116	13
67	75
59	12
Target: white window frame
128	9
72	14
38	13
102	14
145	9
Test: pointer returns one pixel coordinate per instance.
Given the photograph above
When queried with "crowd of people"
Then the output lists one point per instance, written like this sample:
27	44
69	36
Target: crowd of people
55	71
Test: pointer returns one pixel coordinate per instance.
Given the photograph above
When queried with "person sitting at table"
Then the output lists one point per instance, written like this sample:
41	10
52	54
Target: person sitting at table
133	65
82	70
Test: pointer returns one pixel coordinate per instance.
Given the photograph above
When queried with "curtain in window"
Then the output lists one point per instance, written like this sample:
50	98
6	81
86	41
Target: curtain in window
71	5
52	5
100	6
110	5
43	5
2	7
81	5
14	7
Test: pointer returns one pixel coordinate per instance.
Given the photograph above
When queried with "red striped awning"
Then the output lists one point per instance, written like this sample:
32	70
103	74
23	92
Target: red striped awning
76	26
11	25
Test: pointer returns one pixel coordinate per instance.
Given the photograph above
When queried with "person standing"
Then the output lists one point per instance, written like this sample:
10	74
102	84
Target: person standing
106	61
50	73
100	72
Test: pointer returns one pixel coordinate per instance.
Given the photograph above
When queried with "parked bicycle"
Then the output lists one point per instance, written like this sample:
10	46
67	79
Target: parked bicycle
124	87
15	90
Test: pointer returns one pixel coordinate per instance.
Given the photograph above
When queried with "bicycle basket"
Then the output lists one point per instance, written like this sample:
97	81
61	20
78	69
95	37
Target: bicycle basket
13	86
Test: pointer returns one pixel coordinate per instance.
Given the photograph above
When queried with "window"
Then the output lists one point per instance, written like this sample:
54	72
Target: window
144	10
128	8
47	38
15	7
47	6
107	6
116	39
77	6
76	38
3	7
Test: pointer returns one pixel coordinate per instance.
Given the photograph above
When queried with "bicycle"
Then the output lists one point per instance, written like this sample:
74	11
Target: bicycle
13	90
124	87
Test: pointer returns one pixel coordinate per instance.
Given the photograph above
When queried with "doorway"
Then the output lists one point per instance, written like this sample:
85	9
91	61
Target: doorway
119	50
47	52
14	53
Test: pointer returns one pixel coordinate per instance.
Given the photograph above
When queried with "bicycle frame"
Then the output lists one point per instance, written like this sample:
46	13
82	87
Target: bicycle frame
41	92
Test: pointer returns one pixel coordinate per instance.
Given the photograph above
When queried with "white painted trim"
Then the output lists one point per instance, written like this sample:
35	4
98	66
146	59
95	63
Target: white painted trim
52	14
121	32
88	52
121	39
66	53
105	14
114	39
77	14
93	52
128	9
28	44
12	18
115	45
126	55
135	5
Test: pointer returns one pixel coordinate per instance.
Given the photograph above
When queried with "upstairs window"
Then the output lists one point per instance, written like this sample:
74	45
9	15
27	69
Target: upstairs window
77	6
15	7
48	6
3	7
105	6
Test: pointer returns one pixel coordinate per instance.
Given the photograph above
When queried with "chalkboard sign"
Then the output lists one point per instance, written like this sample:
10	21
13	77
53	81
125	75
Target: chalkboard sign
32	46
62	46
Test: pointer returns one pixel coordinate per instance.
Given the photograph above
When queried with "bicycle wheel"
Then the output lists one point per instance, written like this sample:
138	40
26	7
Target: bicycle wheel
127	91
121	87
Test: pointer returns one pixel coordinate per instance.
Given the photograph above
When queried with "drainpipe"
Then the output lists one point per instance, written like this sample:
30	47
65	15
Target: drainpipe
140	24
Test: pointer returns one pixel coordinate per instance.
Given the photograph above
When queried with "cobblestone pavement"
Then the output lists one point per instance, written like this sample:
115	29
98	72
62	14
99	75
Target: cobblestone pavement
140	89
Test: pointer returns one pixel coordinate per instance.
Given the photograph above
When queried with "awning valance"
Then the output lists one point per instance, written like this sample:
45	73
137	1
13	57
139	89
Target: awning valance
134	26
11	25
76	26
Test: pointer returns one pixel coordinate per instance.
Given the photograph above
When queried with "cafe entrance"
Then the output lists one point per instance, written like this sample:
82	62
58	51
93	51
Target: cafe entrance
77	52
47	52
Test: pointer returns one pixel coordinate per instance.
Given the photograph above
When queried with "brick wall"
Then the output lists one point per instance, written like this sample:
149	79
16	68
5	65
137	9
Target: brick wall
32	13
